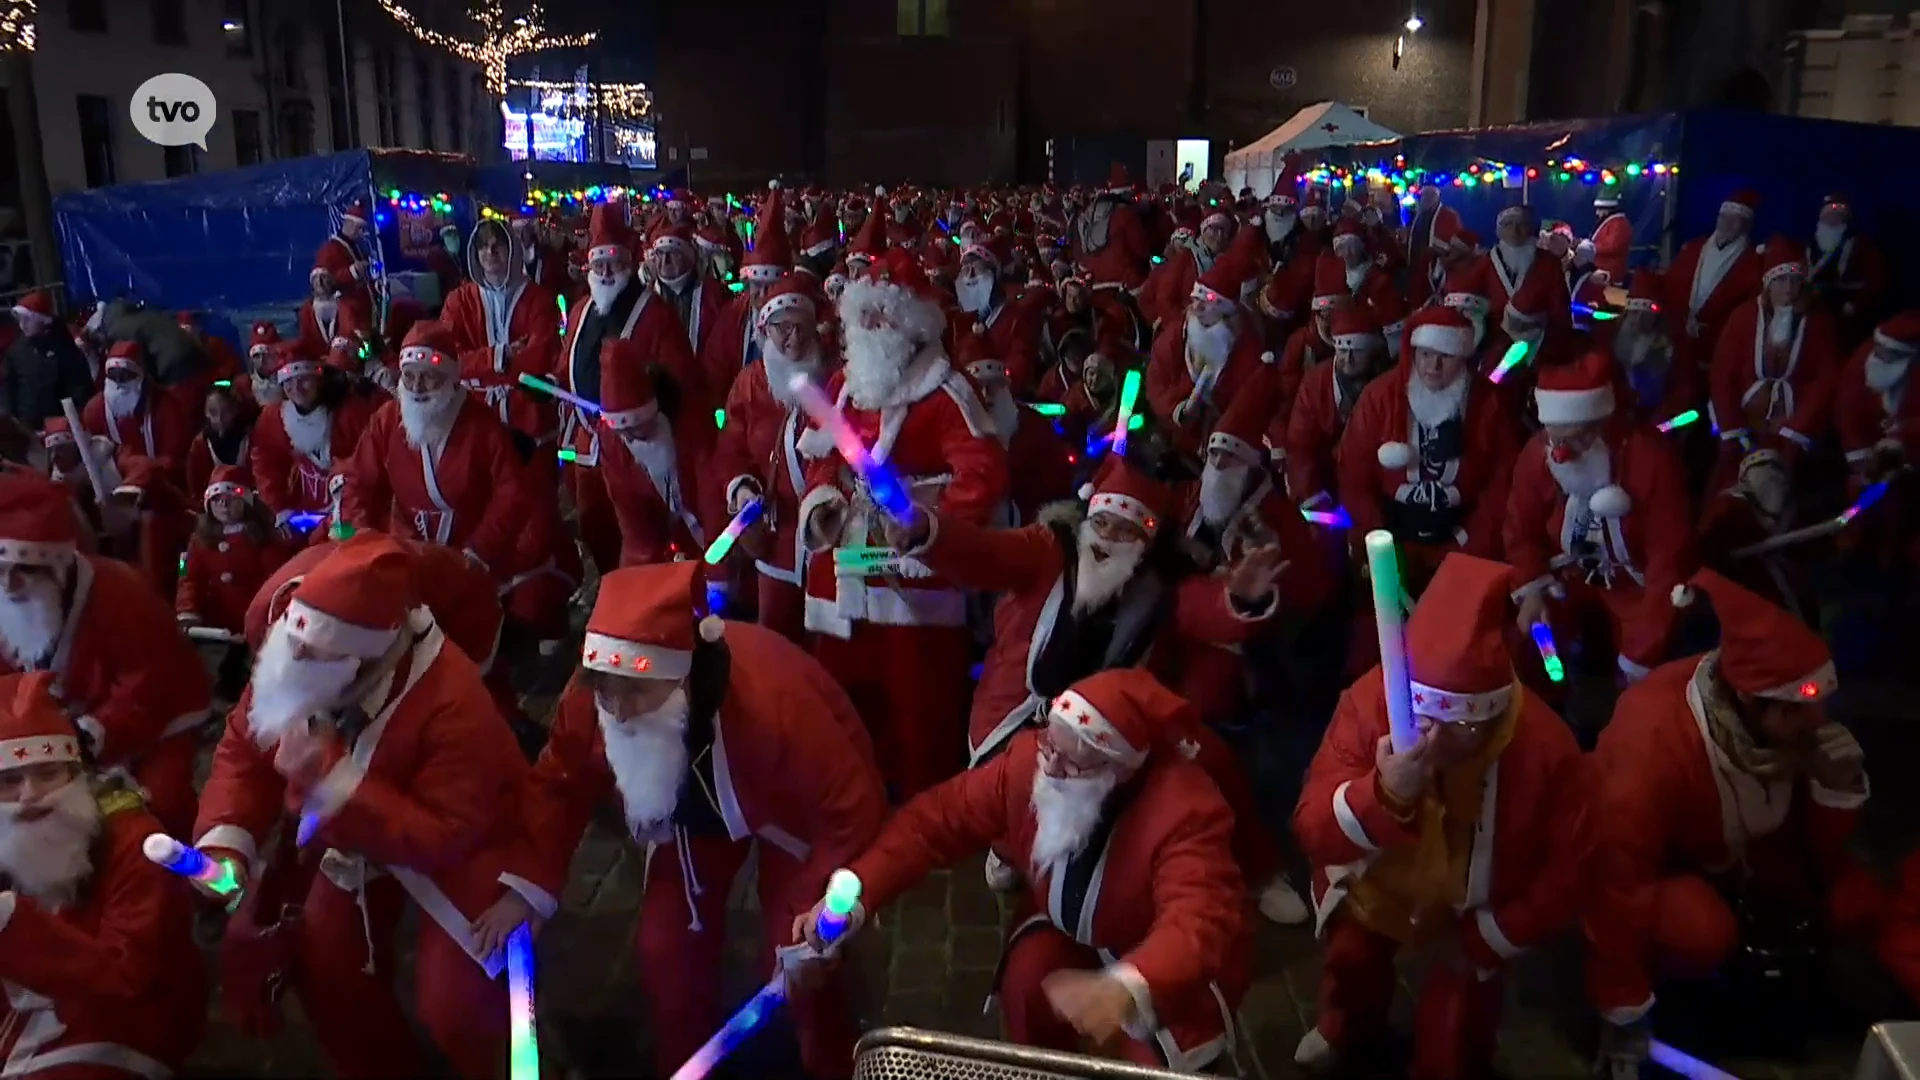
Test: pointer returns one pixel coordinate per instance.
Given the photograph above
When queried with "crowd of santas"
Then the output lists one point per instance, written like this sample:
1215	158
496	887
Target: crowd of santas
1291	366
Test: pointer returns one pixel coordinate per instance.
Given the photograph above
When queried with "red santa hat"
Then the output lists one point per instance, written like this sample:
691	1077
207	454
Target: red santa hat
1465	289
972	353
355	600
1329	283
1242	428
356	211
897	288
1898	337
289	361
643	624
1355	327
788	294
1743	203
1576	393
771	255
333	260
870	240
626	390
1117	178
35	308
34	730
430	344
820	236
666	234
1240	264
1349	232
996	253
608	235
265	335
56	432
1390	313
1457	660
1120	489
227	480
1285	196
1124	713
1644	292
1606	200
1764	651
36	520
1784	257
124	356
1444	329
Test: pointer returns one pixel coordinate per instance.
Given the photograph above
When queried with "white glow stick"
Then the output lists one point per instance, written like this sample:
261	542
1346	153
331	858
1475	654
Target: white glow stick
1383	568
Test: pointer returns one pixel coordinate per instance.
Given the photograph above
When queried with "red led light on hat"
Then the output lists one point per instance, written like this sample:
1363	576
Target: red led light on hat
1809	690
615	658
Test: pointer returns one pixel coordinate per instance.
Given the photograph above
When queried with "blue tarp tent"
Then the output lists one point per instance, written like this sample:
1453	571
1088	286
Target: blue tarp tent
243	239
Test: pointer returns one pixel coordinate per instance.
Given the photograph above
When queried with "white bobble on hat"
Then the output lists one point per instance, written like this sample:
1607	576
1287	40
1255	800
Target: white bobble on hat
1267	357
1255	220
1611	501
712	628
1394	455
774	184
1086	492
1682	596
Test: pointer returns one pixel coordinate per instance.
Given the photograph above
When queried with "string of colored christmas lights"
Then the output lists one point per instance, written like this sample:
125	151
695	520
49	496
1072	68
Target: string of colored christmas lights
418	202
500	39
1406	181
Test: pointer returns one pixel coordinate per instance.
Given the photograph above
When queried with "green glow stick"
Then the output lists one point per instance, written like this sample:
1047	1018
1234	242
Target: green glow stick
1383	568
720	419
1129	397
864	561
1048	408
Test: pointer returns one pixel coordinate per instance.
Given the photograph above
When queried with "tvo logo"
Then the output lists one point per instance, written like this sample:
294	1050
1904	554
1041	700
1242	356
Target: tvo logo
174	110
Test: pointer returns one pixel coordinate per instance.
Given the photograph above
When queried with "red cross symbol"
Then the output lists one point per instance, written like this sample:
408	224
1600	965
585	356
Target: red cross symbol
1329	127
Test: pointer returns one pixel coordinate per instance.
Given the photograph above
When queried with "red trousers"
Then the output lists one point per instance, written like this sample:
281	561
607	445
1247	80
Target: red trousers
1029	1017
593	516
680	946
1456	1018
356	1017
911	686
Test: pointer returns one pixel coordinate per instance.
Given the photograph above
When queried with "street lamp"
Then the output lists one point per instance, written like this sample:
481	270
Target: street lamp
1414	23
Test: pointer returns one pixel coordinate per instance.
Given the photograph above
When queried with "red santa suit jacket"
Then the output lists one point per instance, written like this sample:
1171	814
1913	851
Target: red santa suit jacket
1368	283
938	439
293	479
1165	904
1644	554
1739	282
792	766
222	577
1171	372
1668	801
758	449
112	985
650	532
485	367
157	429
1526	874
1307	349
1759	391
653	323
1040	462
1169	286
1315	423
1012	331
725	352
1539	293
351	315
1868	418
1612	244
1110	242
429	792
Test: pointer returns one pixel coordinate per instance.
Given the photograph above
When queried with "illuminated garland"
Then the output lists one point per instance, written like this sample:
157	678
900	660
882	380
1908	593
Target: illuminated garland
16	26
621	101
549	199
419	203
500	39
1407	182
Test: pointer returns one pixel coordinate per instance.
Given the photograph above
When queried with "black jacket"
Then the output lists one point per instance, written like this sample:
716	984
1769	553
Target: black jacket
40	370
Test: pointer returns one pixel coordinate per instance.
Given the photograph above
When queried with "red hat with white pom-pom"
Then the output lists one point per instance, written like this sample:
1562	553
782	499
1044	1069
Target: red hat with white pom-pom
1576	393
1123	713
1457	661
33	728
1354	327
643	623
227	481
1764	650
36	521
356	600
1126	492
790	293
430	344
771	255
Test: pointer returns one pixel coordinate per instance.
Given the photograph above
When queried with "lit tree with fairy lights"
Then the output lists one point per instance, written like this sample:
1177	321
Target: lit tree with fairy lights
16	25
501	38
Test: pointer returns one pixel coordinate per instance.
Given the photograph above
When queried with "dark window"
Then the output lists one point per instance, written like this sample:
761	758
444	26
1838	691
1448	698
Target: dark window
423	95
96	138
237	28
906	18
89	16
456	110
296	128
934	21
182	160
247	148
920	18
170	22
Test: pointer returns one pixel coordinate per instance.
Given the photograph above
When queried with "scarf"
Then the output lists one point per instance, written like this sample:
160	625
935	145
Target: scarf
1729	732
1410	893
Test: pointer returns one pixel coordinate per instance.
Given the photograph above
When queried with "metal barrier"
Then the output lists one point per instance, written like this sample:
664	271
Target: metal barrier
902	1053
1892	1052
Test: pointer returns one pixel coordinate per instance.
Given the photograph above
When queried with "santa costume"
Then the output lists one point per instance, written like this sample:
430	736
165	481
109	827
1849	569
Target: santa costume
338	308
97	958
1131	875
348	259
1312	345
1042	465
1607	526
1709	278
1878	416
1612	239
1169	285
899	643
735	342
1773	376
137	416
1011	329
1317	417
1488	862
1109	243
1846	270
1196	368
1660	380
294	450
655	463
1353	266
225	564
767	752
123	672
502	330
432	819
697	298
1693	798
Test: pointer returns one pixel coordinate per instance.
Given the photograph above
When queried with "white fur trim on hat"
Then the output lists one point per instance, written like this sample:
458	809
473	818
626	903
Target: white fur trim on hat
1349	238
1573	406
39	750
760	272
120	362
1220	216
223	487
1886	343
1325	303
987	369
1797	269
1472	304
1438	703
1355	341
1643	304
421	355
606	251
35	553
670	240
1452	340
1394	455
51	439
1611	501
1511	213
1237	446
1126	506
792	301
599	652
1094	729
293	369
323	631
628	419
1086	492
1816	685
30	317
1732	207
257	351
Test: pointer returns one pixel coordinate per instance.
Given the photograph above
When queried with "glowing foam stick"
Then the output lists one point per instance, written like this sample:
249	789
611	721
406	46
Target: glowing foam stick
866	562
843	895
306	523
1516	355
535	382
190	862
1048	408
886	488
1596	314
213	634
568	455
1684	1065
742	521
720	419
1817	530
1129	397
223	382
1867	498
1542	636
1679	421
523	1055
1333	519
563	315
1383	567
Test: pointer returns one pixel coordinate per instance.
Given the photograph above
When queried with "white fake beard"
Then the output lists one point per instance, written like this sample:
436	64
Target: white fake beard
1221	492
1780	326
310	432
266	391
324	311
648	756
123	399
659	457
1883	374
975	293
429	418
1099	581
50	859
1279	225
1211	345
675	285
288	690
1006	413
781	369
1518	257
876	362
31	624
1584	475
1435	407
606	288
1828	237
1066	810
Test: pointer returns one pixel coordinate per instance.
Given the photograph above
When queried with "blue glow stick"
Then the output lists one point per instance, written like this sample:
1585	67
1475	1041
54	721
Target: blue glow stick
742	521
306	523
523	1054
190	862
1685	1065
1542	636
534	382
888	493
1337	518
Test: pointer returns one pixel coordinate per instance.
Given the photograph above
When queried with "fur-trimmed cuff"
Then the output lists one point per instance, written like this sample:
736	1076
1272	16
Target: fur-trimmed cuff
933	532
8	901
544	902
819	498
280	519
1864	454
1255	612
1732	434
1629	1014
1840	800
1538	585
1796	438
1129	976
743	480
335	789
1484	944
232	838
1633	671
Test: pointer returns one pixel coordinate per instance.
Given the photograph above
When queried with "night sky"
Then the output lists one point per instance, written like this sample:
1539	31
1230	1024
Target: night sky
623	53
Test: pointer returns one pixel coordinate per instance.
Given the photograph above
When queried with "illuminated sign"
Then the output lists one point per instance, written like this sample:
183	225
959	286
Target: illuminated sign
555	138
